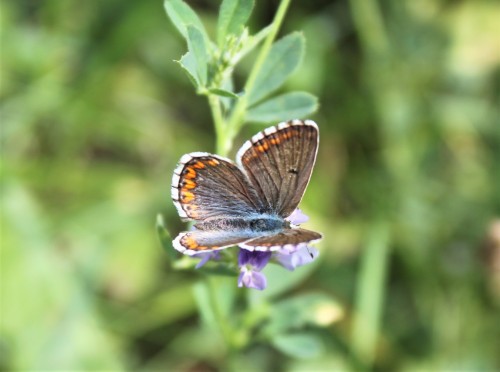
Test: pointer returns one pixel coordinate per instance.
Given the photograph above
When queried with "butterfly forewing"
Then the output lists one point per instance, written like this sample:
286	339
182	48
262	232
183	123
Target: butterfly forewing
278	162
206	185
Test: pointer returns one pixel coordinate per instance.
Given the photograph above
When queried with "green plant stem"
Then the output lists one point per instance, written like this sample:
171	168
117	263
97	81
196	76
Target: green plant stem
370	293
238	115
370	27
219	125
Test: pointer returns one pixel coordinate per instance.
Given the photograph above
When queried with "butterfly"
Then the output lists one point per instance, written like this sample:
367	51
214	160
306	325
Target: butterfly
247	203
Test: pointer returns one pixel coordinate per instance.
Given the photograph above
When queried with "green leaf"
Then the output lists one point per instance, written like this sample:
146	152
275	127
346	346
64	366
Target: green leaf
283	58
253	41
182	15
299	345
233	15
223	93
293	105
164	236
201	293
317	309
215	298
198	51
188	64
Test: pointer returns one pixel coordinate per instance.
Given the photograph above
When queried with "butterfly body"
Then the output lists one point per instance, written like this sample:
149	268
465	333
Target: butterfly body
247	203
262	223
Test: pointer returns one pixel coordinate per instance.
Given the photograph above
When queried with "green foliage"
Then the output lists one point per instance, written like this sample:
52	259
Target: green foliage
210	67
164	236
282	60
182	16
294	313
283	107
233	16
298	345
198	57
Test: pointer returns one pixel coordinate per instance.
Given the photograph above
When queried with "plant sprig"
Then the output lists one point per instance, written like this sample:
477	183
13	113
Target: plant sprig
210	65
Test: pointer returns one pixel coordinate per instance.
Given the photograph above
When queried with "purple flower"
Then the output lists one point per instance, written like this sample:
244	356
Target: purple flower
205	257
251	263
291	261
255	259
252	279
297	217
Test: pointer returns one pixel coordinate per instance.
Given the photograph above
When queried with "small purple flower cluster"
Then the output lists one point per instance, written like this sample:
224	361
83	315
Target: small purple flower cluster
251	263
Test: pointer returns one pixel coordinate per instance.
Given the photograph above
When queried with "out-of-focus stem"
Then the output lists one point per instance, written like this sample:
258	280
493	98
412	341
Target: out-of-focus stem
370	293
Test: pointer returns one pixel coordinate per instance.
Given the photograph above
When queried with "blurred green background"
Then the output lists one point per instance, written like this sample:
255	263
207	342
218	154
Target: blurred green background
95	115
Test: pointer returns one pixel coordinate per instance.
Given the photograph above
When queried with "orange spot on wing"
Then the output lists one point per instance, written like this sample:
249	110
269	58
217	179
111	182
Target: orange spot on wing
213	162
187	196
189	242
199	165
190	173
189	184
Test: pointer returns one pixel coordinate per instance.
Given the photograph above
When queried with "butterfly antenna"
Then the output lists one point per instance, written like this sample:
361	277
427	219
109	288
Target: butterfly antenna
310	253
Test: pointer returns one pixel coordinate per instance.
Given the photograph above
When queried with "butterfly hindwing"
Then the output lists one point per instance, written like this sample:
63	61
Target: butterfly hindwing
290	240
198	241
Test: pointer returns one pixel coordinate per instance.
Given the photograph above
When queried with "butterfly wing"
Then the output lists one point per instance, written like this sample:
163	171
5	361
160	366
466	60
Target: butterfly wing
197	241
290	240
279	161
206	185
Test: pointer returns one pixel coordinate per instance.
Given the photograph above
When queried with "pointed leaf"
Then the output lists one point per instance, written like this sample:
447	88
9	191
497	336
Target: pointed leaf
299	345
182	15
293	105
188	64
201	292
253	41
198	51
223	93
284	57
164	236
233	15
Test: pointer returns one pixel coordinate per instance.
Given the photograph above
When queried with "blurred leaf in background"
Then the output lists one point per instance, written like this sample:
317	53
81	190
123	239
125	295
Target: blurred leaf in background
95	114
